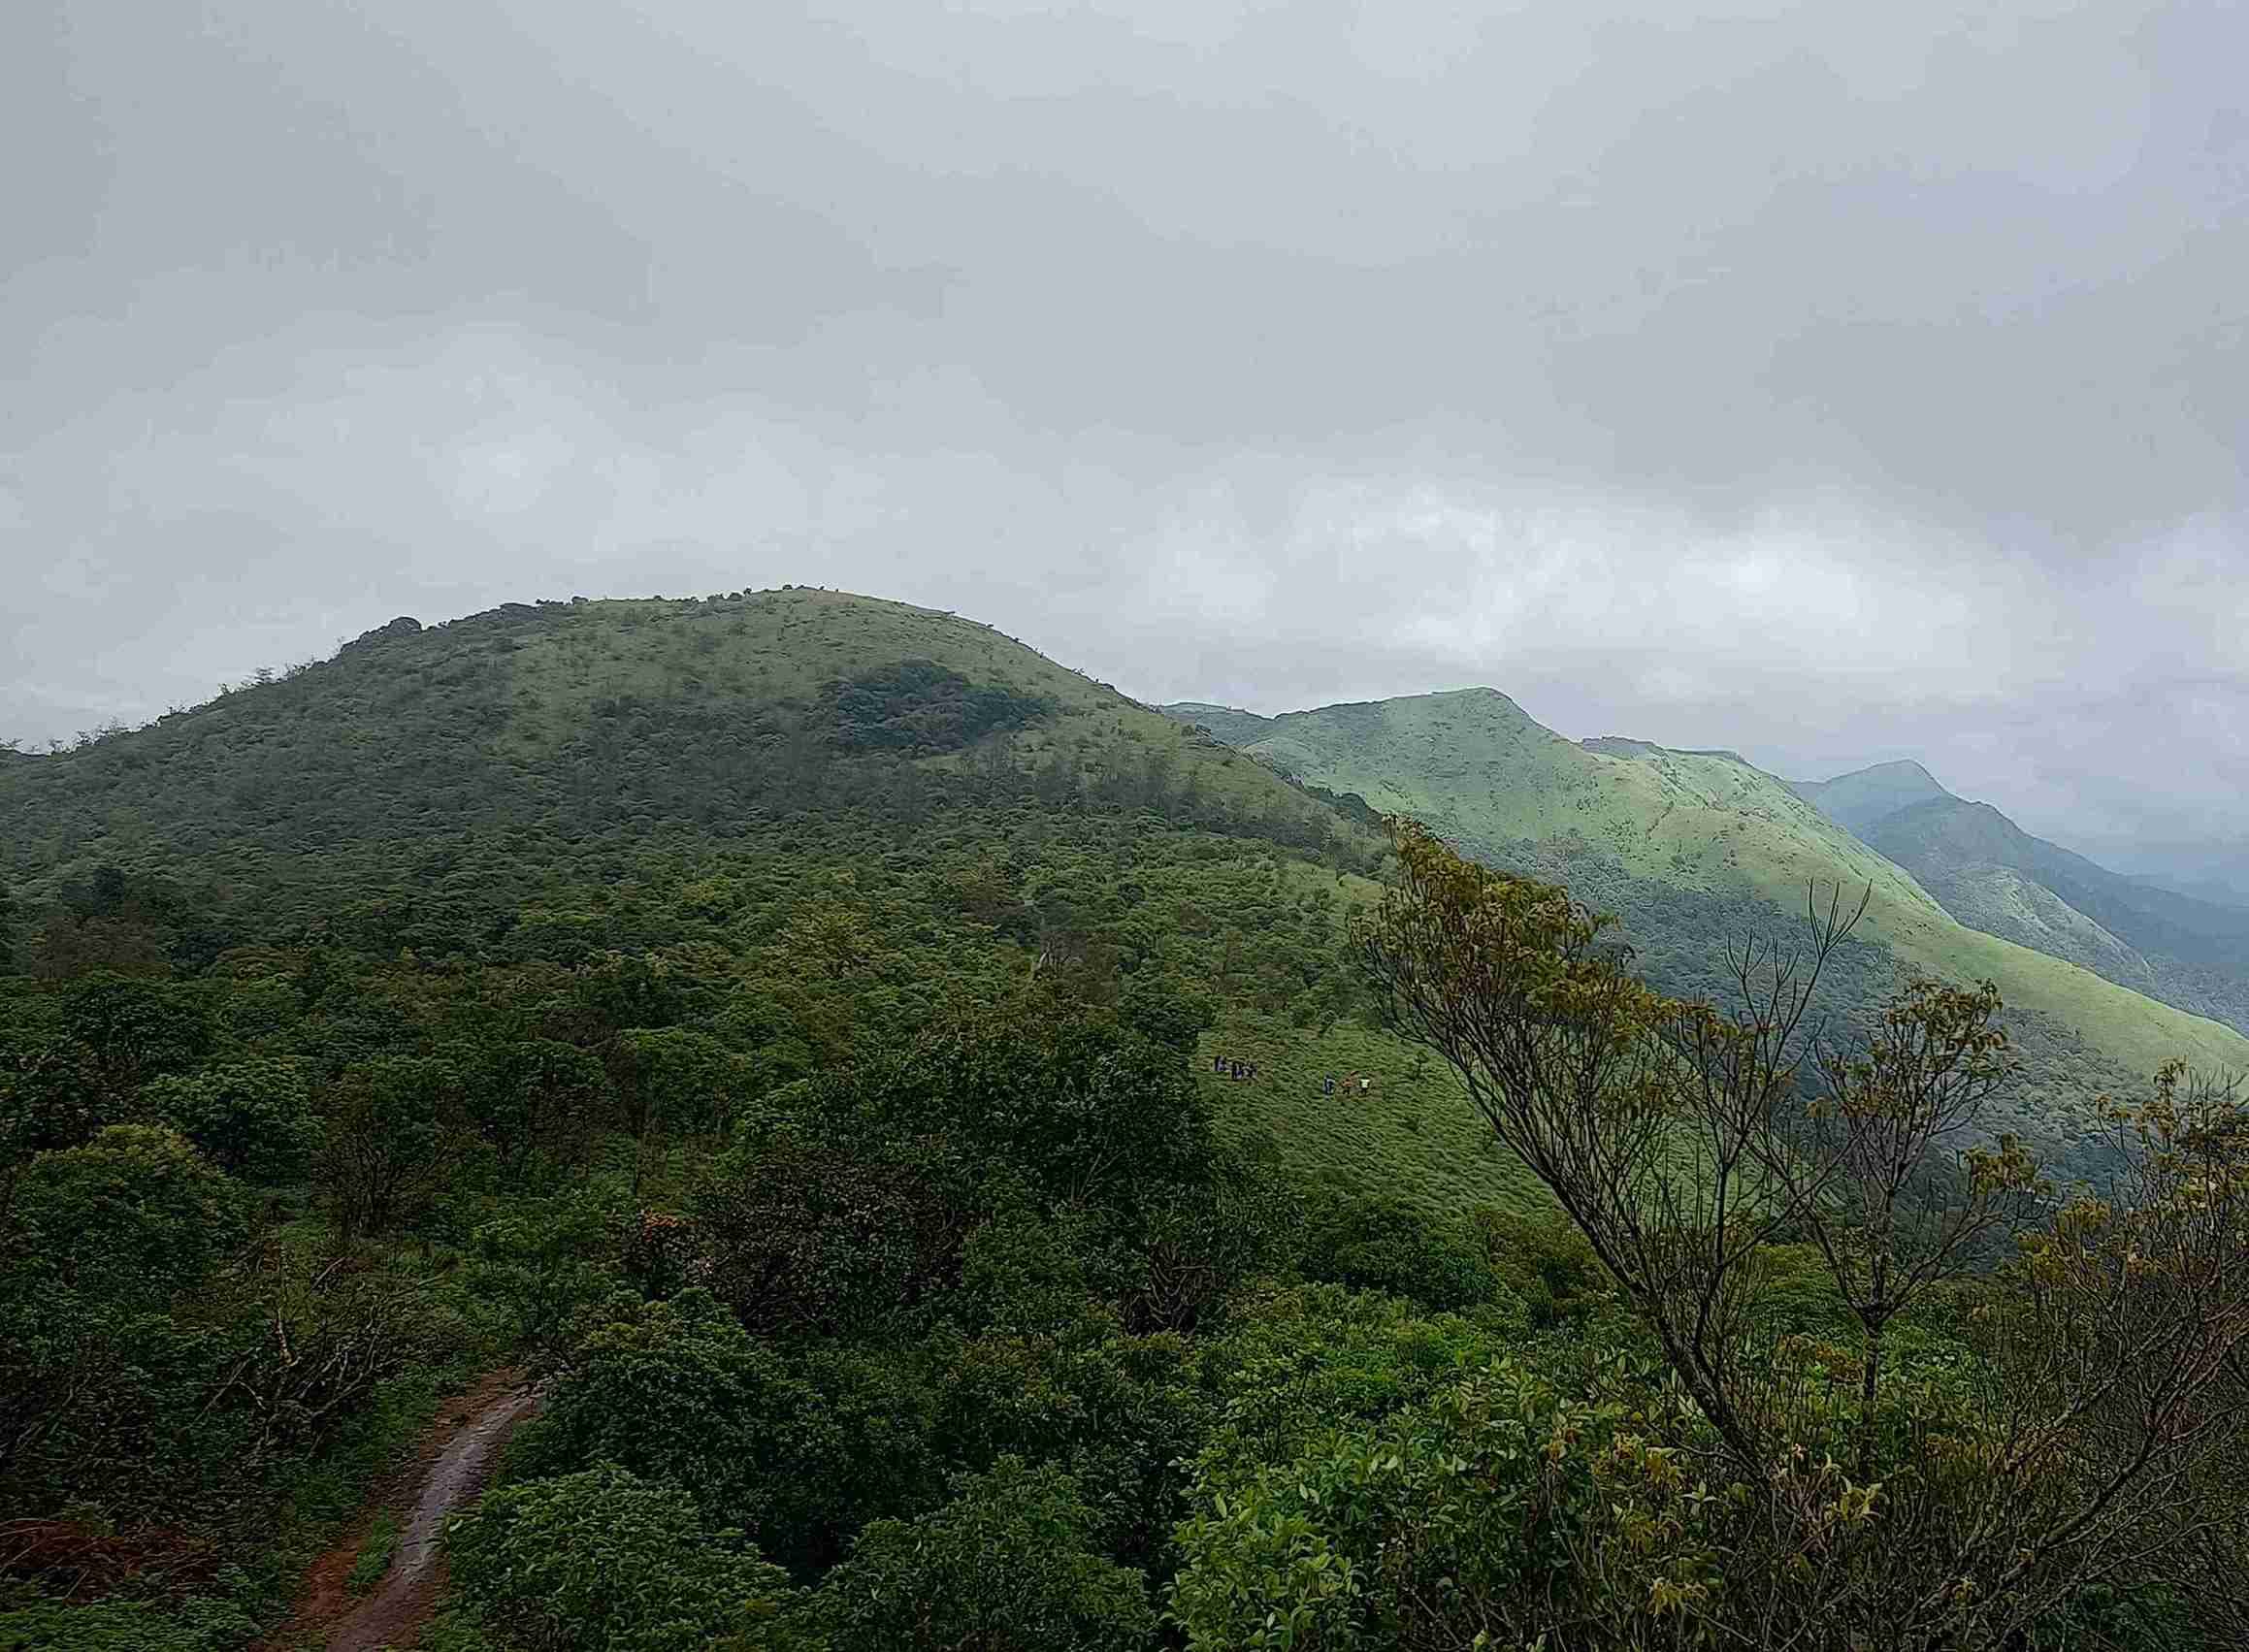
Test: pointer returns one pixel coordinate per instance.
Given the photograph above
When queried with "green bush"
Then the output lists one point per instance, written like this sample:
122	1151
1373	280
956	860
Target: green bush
1490	1514
133	1218
676	1391
602	1561
1007	1566
1547	1263
1389	1246
198	1624
1020	1272
252	1118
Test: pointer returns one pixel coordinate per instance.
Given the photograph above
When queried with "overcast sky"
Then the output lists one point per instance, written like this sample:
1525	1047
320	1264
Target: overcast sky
1830	381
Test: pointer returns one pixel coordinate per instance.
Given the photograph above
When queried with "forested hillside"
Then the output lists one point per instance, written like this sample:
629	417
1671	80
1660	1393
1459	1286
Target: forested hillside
1689	848
937	1155
380	1006
1993	876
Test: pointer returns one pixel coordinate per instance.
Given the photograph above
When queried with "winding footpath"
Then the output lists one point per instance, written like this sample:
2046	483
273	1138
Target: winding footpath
456	1457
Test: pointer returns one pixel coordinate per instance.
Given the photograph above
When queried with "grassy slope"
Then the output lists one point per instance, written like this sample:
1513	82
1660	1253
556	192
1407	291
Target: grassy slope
1414	1136
513	737
1471	762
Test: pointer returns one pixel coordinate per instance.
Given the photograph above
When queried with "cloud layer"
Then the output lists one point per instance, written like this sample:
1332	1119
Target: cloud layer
1829	382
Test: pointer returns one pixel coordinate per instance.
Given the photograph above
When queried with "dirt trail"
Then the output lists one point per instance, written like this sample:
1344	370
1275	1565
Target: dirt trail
455	1456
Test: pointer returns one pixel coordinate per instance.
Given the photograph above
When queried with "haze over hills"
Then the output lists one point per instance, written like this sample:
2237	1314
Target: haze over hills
2216	892
787	1121
1692	848
1993	876
428	774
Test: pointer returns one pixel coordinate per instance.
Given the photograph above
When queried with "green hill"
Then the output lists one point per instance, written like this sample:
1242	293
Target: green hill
803	1030
1690	847
544	784
564	718
1993	876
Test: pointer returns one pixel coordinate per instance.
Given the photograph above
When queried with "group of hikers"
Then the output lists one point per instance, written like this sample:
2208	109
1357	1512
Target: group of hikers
1229	1068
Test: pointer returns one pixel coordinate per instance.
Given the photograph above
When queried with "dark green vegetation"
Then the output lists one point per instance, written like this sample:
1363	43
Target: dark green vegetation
1993	876
498	985
788	1022
1691	848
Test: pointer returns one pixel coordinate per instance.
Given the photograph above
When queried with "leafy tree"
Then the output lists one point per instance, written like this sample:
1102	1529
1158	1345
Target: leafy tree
674	1077
1546	1262
540	1266
50	1097
1198	1241
603	1561
678	1391
252	1118
1020	1272
1387	1244
1857	1163
95	1377
1297	1361
1089	1110
127	1032
136	1216
1468	1519
618	992
386	1143
809	1235
917	705
1116	1412
1007	1566
526	1093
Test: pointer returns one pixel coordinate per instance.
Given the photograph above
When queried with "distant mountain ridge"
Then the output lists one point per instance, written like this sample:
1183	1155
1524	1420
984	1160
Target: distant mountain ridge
1696	849
1858	799
1993	876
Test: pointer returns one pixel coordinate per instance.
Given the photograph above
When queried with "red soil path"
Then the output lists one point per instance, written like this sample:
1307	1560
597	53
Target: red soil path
449	1471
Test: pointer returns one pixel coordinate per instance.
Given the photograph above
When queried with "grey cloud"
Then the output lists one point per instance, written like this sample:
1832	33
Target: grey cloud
1831	383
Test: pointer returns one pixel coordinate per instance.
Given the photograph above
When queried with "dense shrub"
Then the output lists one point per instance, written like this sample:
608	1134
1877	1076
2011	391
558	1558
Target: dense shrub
602	1561
1007	1566
1387	1244
252	1118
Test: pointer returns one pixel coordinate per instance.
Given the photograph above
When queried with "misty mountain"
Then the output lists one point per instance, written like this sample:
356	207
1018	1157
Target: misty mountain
1993	876
1858	799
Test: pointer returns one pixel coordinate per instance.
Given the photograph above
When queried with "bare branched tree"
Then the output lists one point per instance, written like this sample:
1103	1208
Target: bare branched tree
1683	1140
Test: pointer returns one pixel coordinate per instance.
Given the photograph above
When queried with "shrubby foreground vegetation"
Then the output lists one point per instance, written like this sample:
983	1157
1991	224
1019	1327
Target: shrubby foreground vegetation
848	1165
